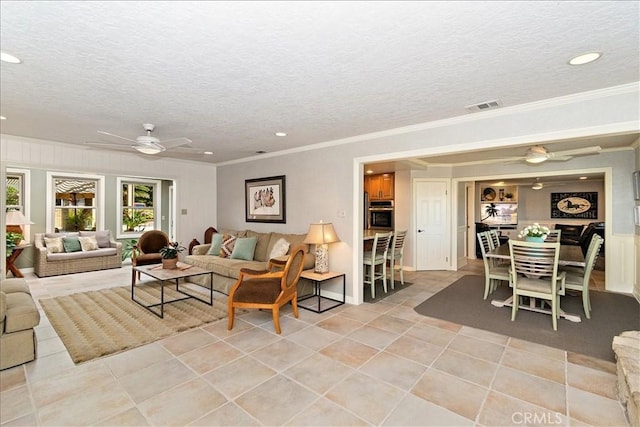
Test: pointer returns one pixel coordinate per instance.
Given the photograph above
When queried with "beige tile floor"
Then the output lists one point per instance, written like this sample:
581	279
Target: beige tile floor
373	364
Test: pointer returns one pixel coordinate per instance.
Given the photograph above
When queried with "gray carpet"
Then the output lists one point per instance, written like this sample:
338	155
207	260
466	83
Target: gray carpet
380	295
462	303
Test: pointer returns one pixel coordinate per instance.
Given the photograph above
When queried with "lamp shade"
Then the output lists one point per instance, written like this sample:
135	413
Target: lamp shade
16	218
321	233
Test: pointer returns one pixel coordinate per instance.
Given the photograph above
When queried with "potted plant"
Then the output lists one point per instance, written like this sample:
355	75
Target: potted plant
170	255
534	233
11	245
128	248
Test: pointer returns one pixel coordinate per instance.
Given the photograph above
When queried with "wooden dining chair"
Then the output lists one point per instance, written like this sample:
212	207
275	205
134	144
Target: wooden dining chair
577	278
395	255
376	257
494	273
534	273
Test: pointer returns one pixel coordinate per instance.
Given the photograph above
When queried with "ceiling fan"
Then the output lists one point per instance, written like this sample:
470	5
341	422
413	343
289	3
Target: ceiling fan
539	185
145	144
539	154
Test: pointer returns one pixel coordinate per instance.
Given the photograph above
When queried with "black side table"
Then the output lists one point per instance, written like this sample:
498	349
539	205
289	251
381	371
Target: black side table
318	279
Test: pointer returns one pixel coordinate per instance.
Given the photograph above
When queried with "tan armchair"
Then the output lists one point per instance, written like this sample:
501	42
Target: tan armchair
269	289
18	316
147	250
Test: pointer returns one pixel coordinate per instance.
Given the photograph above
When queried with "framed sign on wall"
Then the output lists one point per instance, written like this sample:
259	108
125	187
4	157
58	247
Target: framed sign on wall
574	205
265	200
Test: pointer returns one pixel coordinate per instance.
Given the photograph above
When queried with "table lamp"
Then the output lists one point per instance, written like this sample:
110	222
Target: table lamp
15	220
321	235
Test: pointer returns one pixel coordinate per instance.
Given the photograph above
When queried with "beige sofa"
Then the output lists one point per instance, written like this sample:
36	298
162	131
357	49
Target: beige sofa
226	270
107	255
18	316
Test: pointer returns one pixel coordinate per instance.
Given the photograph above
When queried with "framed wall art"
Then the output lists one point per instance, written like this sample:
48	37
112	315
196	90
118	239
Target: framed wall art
265	199
574	205
636	185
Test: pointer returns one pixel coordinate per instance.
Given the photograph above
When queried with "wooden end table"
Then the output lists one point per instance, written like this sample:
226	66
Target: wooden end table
11	259
318	279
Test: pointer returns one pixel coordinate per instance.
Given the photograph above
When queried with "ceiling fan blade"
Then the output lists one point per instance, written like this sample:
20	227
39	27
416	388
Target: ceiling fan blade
116	136
177	142
111	146
560	158
577	152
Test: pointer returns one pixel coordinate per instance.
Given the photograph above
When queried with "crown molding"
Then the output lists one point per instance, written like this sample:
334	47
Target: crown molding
629	88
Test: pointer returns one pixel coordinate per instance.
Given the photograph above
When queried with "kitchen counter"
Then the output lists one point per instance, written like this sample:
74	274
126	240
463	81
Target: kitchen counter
370	234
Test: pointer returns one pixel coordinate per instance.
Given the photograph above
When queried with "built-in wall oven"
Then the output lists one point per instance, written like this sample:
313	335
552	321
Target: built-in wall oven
381	214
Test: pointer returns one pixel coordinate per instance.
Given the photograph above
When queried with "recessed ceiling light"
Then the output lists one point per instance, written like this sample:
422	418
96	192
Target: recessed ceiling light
7	57
3	118
281	134
584	58
369	171
208	153
583	177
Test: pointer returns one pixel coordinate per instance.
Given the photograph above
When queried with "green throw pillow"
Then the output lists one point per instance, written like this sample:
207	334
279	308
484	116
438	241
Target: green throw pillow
216	244
71	244
244	248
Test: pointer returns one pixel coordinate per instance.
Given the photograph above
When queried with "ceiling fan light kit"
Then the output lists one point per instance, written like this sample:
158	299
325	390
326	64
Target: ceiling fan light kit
147	150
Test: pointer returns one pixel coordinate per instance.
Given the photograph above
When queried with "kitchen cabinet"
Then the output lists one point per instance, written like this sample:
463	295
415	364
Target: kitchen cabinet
379	186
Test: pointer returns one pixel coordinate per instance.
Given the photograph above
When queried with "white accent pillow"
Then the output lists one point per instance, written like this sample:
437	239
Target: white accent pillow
89	243
53	245
279	249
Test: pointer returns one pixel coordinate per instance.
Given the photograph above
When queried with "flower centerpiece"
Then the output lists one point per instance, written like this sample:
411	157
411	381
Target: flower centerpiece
534	233
170	255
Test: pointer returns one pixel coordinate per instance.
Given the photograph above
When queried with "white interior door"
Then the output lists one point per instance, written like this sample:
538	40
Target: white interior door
172	225
432	224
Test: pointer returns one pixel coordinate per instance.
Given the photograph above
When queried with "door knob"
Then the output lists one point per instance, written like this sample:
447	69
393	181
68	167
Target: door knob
420	231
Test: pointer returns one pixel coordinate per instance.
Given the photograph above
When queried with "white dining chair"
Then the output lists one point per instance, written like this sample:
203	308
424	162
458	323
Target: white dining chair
377	257
395	255
494	273
494	238
577	279
534	273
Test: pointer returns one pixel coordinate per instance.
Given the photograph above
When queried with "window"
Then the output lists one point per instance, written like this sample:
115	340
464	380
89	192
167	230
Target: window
74	202
139	206
15	192
17	196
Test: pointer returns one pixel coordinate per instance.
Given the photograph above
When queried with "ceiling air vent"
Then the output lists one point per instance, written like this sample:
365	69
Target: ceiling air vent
483	106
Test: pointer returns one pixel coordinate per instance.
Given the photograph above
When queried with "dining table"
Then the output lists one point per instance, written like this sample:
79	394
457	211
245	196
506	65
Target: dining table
570	255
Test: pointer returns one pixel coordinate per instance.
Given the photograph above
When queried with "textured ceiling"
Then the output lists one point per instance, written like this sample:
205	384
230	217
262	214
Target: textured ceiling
228	75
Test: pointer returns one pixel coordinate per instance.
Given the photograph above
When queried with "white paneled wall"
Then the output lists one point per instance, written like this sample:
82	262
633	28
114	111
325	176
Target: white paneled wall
195	182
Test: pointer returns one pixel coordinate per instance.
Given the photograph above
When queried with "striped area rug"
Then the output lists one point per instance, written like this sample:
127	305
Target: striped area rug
99	323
